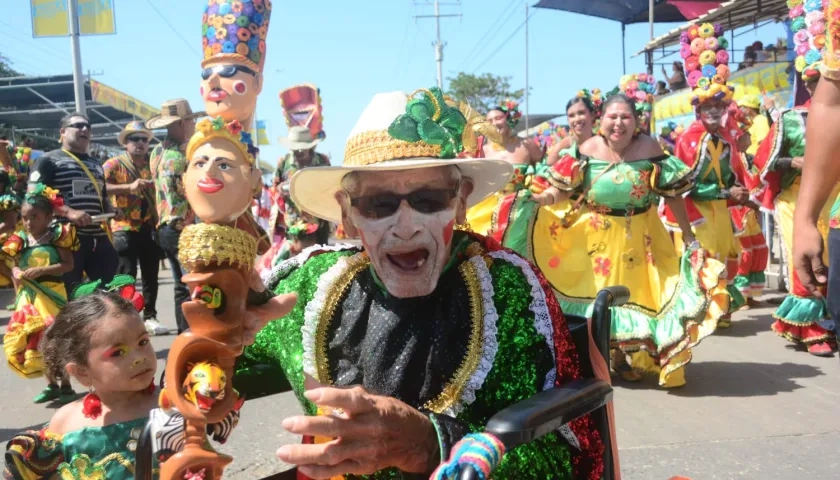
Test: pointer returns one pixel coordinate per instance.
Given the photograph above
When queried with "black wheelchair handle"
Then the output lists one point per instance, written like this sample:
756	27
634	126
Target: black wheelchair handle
618	295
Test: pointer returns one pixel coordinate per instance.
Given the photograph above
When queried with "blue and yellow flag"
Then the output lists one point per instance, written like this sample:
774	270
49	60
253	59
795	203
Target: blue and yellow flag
262	133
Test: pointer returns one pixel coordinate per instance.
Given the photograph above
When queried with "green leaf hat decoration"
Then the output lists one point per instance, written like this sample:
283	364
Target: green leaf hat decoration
429	119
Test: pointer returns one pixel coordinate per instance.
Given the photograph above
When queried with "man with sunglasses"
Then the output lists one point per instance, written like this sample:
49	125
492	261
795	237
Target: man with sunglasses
80	179
132	194
434	327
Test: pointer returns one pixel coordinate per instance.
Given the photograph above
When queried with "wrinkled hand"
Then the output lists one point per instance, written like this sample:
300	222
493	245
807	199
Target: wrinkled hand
258	316
372	433
740	194
79	217
797	162
808	251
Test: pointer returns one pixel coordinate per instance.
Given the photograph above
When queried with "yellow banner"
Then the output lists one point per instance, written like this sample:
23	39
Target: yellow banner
50	18
262	133
112	97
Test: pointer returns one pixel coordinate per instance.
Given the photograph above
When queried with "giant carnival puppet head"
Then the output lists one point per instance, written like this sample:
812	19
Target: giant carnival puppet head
706	67
302	108
402	189
234	55
222	175
505	117
807	22
640	87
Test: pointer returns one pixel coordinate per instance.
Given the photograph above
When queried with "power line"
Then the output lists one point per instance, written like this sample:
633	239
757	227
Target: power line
480	45
189	45
31	42
439	44
504	42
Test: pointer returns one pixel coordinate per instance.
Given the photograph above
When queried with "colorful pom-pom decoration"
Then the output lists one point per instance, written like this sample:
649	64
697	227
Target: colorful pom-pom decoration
706	68
482	451
706	30
808	25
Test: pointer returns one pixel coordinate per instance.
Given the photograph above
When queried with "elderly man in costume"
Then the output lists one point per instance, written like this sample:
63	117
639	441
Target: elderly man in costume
436	328
779	161
709	146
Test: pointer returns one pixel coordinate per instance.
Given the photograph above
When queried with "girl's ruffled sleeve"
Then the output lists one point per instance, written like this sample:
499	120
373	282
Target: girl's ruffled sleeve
13	245
671	177
65	236
567	174
33	454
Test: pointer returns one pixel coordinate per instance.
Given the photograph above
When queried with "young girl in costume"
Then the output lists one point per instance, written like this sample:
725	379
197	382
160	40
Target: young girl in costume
42	253
99	339
9	218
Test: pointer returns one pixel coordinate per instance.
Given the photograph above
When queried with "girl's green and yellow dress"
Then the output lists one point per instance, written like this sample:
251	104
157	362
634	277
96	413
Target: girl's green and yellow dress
616	237
37	301
9	202
91	453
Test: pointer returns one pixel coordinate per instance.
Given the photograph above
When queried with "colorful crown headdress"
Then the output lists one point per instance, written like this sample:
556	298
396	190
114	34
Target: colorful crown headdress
640	87
207	129
549	133
595	98
807	22
43	191
235	30
511	110
703	48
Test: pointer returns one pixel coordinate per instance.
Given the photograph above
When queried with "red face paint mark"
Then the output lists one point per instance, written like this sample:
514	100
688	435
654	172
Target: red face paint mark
448	231
201	90
240	88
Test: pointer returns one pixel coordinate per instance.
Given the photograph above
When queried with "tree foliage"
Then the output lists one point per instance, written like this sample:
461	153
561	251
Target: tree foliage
483	92
6	69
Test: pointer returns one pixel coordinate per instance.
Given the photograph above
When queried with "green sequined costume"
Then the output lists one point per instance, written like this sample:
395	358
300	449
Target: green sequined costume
491	334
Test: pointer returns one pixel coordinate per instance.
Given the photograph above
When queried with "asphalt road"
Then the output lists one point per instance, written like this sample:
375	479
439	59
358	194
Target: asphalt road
752	409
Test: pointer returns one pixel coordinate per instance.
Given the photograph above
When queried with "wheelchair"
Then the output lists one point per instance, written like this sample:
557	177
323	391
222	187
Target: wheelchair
529	419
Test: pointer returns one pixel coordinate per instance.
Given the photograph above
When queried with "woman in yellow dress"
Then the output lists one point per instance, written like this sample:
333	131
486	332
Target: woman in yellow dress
42	253
9	217
615	237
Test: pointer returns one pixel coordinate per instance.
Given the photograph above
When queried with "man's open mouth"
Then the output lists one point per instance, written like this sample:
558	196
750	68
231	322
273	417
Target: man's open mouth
409	261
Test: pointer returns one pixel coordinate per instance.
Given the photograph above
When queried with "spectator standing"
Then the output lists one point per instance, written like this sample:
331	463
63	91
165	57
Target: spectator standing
676	81
80	179
132	194
168	164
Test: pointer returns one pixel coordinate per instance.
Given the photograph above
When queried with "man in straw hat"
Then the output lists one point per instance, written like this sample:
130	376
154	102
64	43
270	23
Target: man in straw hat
132	193
436	327
80	179
301	155
168	164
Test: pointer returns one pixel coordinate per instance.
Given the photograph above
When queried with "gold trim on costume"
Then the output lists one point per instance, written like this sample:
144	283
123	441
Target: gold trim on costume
375	147
207	244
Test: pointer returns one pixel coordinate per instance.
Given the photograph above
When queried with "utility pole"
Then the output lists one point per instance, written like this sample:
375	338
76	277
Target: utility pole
439	44
78	76
527	84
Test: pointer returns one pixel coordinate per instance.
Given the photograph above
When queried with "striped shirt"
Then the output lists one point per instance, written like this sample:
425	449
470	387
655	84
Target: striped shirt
60	171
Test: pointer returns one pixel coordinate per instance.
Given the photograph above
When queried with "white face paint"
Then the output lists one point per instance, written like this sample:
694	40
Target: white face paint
409	249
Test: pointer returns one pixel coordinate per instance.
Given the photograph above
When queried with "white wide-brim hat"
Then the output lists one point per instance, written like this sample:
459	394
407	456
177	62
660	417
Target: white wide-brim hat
371	148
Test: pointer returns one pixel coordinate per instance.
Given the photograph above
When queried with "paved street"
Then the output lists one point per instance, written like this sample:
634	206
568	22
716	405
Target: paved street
752	409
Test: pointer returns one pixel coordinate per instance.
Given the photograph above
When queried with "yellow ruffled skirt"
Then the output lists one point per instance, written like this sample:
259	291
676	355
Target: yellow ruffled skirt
26	327
674	301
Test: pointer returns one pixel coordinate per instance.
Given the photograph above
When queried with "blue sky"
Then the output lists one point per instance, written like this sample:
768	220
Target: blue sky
350	49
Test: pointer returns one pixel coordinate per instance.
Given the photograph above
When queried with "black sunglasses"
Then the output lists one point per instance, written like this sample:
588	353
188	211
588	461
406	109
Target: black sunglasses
384	205
79	125
138	139
226	71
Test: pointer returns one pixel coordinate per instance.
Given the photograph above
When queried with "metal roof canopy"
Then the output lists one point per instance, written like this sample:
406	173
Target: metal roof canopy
735	14
626	12
36	105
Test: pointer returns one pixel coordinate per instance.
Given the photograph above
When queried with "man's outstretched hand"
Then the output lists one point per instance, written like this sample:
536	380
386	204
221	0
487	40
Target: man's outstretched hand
369	432
808	251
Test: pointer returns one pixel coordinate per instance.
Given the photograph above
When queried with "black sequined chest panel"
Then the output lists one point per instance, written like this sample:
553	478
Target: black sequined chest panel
373	339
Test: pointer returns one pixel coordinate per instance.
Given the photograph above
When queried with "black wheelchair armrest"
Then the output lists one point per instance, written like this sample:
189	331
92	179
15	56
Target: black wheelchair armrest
547	411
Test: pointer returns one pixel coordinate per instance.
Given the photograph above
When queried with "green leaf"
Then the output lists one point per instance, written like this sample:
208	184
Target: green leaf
420	109
453	119
404	128
432	133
